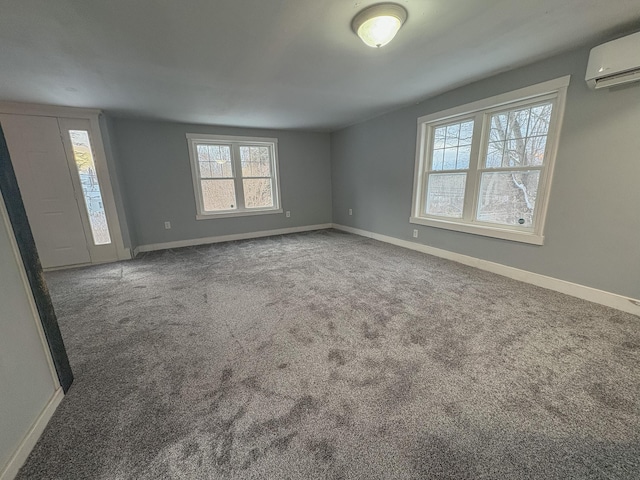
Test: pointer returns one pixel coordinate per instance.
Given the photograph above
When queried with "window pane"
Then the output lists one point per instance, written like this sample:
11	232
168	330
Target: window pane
453	133
437	160
522	133
439	135
508	198
466	133
445	194
205	170
518	123
450	155
257	193
464	155
218	195
215	161
540	119
535	151
499	127
514	153
452	146
256	161
85	164
494	155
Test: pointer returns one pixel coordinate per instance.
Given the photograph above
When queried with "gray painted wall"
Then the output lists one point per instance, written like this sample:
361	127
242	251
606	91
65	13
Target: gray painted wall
116	181
155	177
26	380
593	225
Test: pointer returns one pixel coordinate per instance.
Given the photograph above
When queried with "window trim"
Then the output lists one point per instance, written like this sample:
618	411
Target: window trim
556	90
234	142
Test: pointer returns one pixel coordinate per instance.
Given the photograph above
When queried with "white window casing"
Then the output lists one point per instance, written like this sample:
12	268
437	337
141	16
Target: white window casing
233	146
462	214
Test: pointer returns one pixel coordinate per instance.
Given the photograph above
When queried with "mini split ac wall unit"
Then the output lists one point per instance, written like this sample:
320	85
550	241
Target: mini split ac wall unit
614	63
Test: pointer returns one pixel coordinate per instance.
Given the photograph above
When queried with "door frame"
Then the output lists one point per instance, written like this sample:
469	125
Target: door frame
102	169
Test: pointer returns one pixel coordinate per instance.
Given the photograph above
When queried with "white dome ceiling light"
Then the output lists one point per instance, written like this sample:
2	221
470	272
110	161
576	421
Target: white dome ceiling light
378	24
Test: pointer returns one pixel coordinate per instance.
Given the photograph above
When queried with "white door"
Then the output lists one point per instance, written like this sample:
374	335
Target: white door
42	169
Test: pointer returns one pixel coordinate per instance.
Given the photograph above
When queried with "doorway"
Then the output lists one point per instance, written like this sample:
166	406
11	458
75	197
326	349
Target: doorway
61	169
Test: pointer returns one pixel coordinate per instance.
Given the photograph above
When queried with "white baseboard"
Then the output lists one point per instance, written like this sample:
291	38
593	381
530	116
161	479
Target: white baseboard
227	238
608	299
24	449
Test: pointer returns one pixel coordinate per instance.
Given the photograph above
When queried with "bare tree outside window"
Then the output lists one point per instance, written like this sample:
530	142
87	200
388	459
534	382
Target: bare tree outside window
256	176
517	139
485	167
233	175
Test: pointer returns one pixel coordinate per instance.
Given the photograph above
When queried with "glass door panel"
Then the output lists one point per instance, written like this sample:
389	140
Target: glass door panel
85	165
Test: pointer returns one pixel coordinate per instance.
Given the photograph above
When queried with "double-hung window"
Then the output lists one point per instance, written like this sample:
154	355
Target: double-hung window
234	176
486	167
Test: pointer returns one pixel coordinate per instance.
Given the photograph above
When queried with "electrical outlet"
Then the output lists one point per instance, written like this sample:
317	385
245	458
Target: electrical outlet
288	214
350	211
415	234
167	225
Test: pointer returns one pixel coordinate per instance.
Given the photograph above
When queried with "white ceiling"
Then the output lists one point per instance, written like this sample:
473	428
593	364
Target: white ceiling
274	63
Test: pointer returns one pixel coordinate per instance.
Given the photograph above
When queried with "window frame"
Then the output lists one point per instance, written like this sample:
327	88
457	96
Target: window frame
480	112
234	142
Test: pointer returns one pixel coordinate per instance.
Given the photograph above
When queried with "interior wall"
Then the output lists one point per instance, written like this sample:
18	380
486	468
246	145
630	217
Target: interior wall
115	175
155	174
27	382
593	225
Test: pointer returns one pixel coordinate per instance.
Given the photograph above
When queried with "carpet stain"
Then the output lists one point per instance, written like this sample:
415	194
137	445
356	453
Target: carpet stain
322	450
227	373
252	457
345	417
252	382
282	443
226	435
223	449
368	333
302	408
301	337
337	356
606	397
189	450
631	345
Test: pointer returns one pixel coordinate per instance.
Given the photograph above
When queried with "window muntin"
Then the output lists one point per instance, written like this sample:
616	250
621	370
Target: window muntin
234	175
487	169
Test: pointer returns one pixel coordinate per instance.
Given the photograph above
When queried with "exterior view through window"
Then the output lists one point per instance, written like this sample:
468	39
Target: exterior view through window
85	164
234	175
487	170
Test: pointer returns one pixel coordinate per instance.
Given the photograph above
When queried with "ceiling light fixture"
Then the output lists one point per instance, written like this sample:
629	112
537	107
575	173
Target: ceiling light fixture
378	24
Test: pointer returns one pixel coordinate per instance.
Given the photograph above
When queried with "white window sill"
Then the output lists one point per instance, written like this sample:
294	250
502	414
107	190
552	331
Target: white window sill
484	230
242	213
